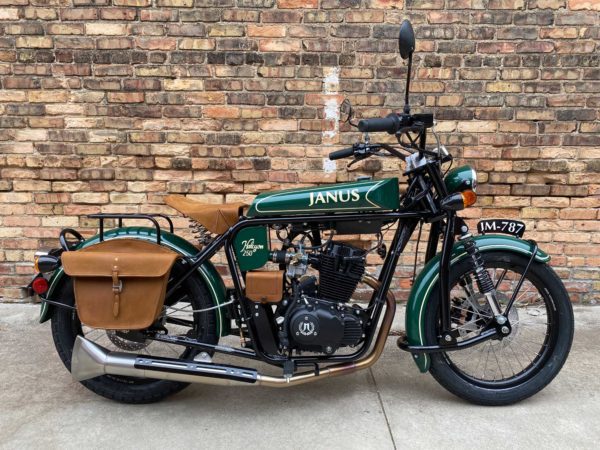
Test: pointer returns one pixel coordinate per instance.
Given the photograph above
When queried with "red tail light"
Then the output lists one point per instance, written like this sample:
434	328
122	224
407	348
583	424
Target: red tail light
39	285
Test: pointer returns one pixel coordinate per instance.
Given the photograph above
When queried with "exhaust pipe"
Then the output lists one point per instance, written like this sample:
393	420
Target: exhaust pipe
91	360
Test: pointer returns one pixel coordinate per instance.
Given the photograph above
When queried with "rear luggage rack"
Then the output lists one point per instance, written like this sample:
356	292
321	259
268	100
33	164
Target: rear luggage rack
120	217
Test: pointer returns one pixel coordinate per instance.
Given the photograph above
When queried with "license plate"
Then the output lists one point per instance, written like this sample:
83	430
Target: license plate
512	227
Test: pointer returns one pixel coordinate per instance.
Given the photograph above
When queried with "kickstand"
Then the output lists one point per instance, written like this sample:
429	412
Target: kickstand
289	367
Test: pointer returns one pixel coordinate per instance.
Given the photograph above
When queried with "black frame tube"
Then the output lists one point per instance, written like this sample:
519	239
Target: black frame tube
433	241
444	272
208	252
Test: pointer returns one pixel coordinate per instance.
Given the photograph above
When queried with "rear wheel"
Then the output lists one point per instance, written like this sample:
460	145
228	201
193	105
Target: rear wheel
500	372
192	295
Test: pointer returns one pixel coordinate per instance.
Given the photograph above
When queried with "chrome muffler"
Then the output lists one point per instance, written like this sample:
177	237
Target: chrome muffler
91	360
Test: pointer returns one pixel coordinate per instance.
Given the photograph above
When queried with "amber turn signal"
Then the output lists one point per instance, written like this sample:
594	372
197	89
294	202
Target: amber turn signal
469	198
458	200
45	263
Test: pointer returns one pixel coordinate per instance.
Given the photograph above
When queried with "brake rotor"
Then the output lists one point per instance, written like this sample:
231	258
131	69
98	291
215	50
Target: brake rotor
473	313
470	314
127	340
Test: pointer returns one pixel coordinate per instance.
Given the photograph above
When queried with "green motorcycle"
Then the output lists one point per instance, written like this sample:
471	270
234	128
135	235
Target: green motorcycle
138	313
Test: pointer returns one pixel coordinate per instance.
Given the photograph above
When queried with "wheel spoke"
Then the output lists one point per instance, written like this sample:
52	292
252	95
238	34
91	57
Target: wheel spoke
497	362
487	357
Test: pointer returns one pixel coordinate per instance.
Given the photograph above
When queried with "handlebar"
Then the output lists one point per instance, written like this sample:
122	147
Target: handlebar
391	124
394	122
343	153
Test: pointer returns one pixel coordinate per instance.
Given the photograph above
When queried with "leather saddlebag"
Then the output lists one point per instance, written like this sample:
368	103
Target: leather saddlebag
264	286
119	284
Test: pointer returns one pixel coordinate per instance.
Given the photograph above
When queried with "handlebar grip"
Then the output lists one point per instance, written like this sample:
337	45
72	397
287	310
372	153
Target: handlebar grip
391	124
343	153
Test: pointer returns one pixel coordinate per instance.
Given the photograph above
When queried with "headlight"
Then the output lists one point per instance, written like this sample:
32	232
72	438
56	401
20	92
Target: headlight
461	179
474	183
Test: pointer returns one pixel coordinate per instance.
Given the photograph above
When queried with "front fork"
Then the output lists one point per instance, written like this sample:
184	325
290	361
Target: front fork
457	226
485	283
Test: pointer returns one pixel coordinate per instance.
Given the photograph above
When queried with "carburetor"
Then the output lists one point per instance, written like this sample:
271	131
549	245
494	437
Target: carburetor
296	262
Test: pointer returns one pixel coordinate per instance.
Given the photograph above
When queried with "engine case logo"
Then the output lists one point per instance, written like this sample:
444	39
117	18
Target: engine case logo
306	328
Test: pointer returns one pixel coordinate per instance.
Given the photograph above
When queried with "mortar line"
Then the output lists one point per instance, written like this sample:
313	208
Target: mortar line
387	422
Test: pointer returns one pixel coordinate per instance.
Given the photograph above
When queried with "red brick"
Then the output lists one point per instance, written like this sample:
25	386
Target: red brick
156	43
125	97
584	4
79	14
114	43
297	4
118	14
279	45
266	30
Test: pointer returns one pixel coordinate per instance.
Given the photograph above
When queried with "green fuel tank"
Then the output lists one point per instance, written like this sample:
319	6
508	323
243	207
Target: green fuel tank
359	196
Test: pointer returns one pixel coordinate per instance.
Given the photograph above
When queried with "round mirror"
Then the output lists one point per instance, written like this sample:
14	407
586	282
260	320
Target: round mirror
406	40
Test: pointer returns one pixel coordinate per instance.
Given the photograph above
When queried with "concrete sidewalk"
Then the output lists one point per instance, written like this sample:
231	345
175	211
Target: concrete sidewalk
390	406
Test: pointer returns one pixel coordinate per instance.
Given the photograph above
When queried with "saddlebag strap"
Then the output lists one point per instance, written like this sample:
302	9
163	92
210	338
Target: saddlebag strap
117	288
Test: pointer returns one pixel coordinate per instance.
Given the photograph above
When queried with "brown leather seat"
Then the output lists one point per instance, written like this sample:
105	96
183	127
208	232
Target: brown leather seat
216	218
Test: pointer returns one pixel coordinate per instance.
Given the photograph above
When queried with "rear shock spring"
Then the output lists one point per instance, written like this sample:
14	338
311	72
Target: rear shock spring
200	232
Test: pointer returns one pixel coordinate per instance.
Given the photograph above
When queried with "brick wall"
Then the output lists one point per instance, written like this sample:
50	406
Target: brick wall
106	105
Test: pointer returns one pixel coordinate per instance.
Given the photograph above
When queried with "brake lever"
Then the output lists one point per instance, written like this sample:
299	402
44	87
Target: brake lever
358	158
362	152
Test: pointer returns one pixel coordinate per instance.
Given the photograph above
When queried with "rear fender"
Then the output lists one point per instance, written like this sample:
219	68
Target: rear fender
427	279
207	271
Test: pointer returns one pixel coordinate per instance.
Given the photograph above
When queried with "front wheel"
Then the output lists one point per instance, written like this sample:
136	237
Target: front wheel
505	371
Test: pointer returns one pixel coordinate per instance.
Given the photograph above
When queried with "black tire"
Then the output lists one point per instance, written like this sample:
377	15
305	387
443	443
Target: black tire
546	363
66	327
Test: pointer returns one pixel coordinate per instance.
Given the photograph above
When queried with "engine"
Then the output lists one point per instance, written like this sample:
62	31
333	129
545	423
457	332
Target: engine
322	326
318	317
340	269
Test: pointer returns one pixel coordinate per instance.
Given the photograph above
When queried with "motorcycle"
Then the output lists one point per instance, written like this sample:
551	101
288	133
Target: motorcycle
137	313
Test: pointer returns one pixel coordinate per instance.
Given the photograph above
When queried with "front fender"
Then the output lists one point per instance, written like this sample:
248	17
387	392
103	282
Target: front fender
425	282
207	271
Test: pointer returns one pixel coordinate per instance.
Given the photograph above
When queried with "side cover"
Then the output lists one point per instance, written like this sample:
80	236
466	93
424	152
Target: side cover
251	247
372	195
428	277
207	271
